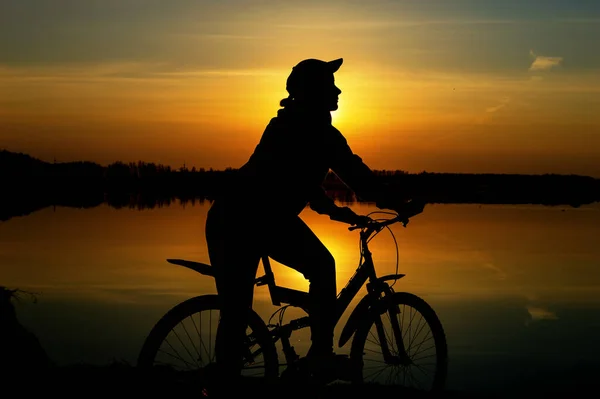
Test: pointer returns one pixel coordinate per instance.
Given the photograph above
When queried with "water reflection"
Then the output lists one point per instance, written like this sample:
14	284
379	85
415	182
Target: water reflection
516	287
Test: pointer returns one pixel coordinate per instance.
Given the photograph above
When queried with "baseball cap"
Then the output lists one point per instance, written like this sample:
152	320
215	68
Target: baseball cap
310	73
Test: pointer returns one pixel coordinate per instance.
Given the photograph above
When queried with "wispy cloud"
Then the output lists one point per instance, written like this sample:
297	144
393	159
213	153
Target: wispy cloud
490	111
578	20
224	73
383	24
503	103
127	71
543	63
538	313
215	36
501	274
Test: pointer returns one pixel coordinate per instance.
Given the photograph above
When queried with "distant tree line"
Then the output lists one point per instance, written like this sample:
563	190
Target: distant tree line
29	184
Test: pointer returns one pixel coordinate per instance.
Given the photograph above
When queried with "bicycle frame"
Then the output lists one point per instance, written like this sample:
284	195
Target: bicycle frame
365	273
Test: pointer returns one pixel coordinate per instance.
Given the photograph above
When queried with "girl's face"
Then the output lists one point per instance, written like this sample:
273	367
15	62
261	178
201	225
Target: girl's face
324	94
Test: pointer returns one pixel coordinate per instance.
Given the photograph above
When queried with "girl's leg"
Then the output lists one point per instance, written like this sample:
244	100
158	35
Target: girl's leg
235	257
291	242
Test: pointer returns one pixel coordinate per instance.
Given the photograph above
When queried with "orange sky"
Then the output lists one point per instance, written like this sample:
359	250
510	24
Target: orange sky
466	87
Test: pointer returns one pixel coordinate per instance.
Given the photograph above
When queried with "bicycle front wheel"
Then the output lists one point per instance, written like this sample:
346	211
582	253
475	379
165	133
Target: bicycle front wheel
404	345
183	341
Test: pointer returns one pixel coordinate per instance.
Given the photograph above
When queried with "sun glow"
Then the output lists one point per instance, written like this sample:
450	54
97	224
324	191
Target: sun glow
337	116
348	103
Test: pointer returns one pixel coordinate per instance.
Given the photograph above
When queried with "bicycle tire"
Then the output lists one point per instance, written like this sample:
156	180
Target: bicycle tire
151	353
403	300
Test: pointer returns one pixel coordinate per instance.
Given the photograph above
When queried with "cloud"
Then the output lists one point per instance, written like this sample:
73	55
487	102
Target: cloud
373	24
215	36
543	63
538	313
120	71
501	274
490	111
503	103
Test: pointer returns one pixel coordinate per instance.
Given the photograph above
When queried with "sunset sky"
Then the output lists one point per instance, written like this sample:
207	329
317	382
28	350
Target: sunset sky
444	86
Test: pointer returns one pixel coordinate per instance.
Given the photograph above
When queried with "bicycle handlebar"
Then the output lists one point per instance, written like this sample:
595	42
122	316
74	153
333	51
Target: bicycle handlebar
376	225
409	210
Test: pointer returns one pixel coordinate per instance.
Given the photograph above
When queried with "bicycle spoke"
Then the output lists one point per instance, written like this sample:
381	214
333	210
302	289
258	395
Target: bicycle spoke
413	378
201	343
198	329
417	334
417	350
379	373
426	350
177	356
420	368
191	341
424	357
190	338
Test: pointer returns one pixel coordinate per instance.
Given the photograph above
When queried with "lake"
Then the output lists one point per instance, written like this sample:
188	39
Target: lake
517	288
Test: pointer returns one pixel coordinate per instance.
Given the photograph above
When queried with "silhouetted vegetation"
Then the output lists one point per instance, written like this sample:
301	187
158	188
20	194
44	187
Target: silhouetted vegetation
29	184
20	350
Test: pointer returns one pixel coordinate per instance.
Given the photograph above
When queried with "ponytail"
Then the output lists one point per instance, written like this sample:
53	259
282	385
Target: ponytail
286	102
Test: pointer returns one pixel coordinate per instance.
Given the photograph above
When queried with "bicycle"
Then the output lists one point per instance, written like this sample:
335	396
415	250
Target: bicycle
397	352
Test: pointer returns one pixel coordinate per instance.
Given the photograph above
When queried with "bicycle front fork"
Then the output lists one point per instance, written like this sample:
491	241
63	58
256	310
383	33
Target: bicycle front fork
391	310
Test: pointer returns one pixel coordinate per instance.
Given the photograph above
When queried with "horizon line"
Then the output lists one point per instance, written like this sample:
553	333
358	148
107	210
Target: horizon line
230	168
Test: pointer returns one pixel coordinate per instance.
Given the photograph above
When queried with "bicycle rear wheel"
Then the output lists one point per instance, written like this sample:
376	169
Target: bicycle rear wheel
418	361
183	342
